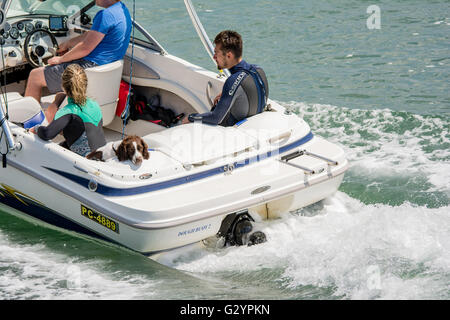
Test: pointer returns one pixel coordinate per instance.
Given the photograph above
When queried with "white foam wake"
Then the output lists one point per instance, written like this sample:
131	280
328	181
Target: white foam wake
359	251
35	272
384	142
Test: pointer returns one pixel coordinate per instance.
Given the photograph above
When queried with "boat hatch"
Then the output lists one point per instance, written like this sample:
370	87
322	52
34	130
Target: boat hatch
274	128
195	143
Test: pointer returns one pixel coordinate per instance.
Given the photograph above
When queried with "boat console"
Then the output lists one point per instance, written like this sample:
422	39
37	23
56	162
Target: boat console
26	39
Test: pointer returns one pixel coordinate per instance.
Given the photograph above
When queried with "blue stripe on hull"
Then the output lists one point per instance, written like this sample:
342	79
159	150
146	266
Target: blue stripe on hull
119	192
47	215
51	217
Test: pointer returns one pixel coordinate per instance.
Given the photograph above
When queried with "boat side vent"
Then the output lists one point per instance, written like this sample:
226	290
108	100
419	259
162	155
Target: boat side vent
92	185
228	169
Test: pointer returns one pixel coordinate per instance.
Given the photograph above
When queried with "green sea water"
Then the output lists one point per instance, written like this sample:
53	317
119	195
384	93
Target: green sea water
382	94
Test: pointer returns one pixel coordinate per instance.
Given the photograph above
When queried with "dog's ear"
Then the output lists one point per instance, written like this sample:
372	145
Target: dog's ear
121	152
145	152
95	155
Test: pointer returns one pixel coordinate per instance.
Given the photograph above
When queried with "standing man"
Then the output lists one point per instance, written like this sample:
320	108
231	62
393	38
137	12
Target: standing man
244	93
106	42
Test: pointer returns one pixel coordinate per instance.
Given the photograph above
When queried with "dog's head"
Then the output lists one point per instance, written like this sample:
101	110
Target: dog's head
133	148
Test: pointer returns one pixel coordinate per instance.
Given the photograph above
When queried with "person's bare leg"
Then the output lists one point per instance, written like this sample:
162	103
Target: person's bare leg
53	108
36	82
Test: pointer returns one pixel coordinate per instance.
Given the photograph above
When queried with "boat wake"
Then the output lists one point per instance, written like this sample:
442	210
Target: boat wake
340	248
34	271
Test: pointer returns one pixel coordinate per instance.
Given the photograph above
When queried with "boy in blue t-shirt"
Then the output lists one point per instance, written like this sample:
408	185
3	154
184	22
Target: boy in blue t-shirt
106	42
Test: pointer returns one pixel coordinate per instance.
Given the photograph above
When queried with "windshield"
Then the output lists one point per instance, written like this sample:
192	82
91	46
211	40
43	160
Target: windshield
57	7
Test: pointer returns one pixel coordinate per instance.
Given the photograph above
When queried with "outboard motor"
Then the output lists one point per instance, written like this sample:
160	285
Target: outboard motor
237	230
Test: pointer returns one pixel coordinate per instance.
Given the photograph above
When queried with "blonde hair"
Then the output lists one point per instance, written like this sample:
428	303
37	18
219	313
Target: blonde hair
74	83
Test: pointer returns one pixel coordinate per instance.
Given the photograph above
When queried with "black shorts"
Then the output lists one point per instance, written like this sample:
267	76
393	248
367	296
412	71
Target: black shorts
53	74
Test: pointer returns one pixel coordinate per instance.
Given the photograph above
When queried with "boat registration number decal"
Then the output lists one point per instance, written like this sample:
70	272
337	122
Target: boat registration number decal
100	219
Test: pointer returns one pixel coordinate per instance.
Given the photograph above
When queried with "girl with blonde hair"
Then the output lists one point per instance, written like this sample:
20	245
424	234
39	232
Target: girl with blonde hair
80	120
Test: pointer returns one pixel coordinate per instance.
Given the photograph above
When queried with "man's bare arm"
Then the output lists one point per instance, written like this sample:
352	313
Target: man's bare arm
85	44
65	46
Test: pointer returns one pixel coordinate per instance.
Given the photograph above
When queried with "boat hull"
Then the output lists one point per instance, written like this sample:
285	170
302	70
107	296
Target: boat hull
28	195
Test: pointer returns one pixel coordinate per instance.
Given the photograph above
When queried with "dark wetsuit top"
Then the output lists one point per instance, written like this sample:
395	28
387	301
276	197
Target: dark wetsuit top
73	121
244	94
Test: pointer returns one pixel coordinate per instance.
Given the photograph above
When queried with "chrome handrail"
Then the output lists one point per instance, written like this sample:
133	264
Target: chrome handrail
6	129
330	161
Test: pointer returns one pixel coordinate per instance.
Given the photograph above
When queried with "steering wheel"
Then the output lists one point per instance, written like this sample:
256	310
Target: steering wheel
35	47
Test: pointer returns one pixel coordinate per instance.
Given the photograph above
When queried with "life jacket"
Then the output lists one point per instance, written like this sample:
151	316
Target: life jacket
257	90
262	88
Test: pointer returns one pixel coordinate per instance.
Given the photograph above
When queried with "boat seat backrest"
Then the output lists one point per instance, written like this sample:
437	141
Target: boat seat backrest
103	87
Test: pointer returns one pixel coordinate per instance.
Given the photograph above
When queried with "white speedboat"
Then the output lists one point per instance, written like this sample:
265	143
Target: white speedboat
200	182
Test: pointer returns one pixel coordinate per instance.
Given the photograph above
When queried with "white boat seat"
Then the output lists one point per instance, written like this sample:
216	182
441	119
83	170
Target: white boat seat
10	96
25	111
103	87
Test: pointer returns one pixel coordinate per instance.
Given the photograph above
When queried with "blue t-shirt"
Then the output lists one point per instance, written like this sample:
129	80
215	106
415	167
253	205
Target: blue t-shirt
115	23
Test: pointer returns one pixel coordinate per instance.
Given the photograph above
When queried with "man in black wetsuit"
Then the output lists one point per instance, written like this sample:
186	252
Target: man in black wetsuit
244	93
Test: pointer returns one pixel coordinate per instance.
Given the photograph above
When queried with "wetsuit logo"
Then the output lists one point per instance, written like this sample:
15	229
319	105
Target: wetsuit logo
236	83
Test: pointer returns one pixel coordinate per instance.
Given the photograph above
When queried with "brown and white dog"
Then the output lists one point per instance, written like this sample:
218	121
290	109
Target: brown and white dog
131	148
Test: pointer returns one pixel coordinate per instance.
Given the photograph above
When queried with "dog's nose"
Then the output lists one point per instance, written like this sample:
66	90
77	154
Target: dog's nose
138	161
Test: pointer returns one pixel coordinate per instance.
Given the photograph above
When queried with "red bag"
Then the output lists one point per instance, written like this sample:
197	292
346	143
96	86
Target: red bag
123	96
